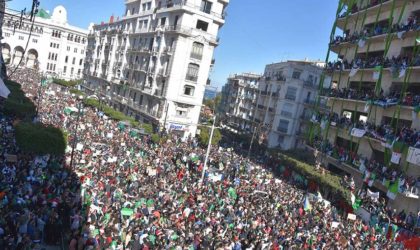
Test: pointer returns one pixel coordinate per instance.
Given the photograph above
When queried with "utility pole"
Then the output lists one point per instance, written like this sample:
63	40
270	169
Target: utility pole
252	141
208	151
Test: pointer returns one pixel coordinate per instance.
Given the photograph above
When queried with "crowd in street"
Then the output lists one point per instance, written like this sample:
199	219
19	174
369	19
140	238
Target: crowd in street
125	191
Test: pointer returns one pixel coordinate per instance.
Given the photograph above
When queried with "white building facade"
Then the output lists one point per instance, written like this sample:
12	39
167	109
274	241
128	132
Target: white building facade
154	63
287	92
239	98
54	47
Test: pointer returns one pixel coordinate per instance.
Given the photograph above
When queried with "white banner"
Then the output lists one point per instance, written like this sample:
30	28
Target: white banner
358	132
374	196
396	157
413	156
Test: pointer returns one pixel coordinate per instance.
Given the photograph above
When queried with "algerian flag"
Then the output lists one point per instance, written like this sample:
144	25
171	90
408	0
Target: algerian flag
307	205
418	39
4	91
362	43
402	72
393	190
367	106
127	211
232	193
377	73
353	72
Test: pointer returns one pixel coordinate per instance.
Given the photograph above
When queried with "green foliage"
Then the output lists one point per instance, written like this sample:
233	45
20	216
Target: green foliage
155	138
205	135
117	115
17	104
69	84
77	92
330	181
40	139
305	156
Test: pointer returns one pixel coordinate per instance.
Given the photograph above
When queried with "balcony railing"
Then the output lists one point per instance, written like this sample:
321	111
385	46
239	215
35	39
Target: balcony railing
192	78
356	9
184	3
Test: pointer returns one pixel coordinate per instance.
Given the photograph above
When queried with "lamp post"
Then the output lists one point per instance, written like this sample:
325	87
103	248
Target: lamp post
79	111
42	83
208	151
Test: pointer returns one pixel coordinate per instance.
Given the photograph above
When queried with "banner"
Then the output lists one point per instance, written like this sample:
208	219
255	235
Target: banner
353	72
374	196
358	132
396	157
351	216
413	156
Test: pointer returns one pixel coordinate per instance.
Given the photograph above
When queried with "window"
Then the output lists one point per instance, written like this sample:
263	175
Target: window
81	62
67	59
181	113
206	6
55	57
54	68
197	51
82	52
58	46
48	66
287	110
75	50
163	21
49	56
280	140
201	25
296	74
283	126
7	34
71	71
21	38
192	73
74	60
78	72
65	69
189	90
51	45
68	48
34	40
291	93
149	5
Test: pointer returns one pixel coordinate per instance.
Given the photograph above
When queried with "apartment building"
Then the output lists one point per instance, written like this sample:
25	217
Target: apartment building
154	62
372	123
239	98
54	46
287	92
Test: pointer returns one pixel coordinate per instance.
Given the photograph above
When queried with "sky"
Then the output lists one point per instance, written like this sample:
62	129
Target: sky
256	32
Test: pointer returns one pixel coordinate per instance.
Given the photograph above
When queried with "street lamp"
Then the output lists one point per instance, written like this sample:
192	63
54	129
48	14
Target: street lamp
208	151
79	111
42	83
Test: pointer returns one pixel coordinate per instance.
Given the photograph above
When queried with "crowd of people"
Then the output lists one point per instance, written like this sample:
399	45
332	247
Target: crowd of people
354	9
392	99
394	63
409	25
125	191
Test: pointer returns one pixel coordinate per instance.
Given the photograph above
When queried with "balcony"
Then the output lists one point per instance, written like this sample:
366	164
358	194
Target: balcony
185	5
371	8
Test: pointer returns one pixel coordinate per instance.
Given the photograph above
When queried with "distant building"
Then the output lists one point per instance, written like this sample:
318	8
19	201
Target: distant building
287	92
154	62
210	93
239	97
54	46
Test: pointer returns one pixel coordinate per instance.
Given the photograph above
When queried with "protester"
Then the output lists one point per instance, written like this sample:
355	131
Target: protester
133	193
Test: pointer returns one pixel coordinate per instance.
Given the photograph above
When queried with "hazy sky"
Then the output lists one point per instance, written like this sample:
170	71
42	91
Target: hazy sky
256	33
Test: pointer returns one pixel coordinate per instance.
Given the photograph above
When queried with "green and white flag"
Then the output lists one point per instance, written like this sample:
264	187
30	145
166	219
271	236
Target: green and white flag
377	73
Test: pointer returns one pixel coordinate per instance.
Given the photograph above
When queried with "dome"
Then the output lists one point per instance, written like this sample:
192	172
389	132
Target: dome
59	15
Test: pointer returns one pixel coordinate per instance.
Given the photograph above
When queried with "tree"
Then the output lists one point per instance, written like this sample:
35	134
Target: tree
205	135
40	139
